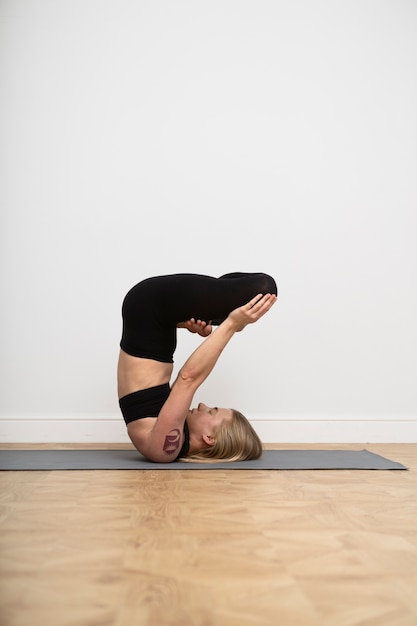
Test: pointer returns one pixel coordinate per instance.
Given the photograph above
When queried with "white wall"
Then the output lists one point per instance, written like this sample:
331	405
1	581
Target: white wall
148	137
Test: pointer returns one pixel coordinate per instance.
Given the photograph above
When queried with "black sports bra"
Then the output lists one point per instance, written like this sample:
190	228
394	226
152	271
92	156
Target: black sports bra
148	403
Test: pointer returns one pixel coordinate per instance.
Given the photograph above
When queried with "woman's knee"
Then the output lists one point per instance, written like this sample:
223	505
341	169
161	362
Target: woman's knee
267	284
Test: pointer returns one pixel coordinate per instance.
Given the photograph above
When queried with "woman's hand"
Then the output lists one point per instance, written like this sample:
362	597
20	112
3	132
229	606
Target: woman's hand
198	326
252	311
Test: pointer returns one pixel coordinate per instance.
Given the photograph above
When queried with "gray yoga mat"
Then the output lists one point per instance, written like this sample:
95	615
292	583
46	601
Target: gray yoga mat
132	460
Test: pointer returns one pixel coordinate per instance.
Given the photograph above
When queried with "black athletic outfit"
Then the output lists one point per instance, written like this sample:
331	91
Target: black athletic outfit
152	309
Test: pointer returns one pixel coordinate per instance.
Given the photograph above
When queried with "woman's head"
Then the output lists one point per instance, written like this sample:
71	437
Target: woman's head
232	438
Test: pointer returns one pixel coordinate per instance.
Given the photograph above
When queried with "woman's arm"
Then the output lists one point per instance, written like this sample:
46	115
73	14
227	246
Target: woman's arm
166	438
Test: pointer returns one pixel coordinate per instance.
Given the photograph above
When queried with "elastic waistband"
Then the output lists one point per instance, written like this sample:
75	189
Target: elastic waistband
144	354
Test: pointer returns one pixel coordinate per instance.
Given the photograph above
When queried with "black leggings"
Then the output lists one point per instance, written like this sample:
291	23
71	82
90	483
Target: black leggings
153	308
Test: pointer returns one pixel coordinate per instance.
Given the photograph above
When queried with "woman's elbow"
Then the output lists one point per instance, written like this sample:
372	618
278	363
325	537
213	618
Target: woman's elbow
189	375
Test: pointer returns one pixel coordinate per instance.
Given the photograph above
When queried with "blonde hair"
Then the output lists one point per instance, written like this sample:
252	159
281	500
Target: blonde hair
235	441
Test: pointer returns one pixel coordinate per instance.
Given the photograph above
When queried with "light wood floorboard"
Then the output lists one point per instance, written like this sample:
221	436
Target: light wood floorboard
210	548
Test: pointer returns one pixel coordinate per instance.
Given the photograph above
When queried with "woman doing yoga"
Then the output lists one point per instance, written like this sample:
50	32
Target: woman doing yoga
159	420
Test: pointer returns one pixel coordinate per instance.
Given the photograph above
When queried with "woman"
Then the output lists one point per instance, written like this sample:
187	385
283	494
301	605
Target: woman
159	420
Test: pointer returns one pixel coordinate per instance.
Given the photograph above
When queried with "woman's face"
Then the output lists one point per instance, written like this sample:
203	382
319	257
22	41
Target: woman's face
207	419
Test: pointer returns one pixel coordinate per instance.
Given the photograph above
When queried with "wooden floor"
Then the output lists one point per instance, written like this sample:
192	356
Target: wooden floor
211	548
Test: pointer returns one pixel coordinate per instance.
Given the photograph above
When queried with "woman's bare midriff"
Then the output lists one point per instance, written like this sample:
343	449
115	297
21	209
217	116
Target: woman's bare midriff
135	373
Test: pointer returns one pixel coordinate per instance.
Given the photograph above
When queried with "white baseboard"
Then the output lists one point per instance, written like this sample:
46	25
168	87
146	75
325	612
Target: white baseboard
295	430
337	431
